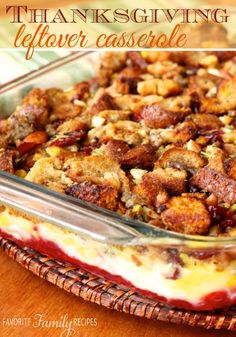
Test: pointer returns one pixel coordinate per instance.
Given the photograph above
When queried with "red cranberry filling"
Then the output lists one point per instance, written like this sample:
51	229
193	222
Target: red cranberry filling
70	139
136	116
222	217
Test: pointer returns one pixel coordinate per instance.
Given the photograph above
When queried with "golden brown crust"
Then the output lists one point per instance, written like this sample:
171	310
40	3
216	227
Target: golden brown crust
231	168
131	132
203	85
151	190
213	181
116	149
216	159
100	194
152	130
186	215
207	121
225	99
154	116
181	159
173	180
49	172
140	156
61	104
28	117
179	135
156	86
104	102
164	67
230	149
71	125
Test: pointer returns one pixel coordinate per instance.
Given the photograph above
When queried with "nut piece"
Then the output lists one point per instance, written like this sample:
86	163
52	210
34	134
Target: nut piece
100	194
215	182
181	159
186	215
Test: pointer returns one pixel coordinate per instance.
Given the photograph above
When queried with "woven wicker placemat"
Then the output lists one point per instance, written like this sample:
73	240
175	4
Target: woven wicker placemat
113	296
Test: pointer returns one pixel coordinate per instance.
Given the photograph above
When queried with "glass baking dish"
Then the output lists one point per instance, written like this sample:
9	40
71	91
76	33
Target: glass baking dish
191	272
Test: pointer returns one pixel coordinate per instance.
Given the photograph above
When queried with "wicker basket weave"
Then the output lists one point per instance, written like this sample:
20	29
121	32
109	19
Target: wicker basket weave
113	296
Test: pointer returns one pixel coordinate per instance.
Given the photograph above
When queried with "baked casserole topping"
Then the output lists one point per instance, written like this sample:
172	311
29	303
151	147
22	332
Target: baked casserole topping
152	136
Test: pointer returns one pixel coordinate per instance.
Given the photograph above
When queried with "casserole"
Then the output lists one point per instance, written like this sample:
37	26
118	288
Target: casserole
182	269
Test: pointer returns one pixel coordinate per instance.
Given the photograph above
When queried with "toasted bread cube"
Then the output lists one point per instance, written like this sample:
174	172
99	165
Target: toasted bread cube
151	189
215	182
160	87
186	215
231	168
180	134
181	159
207	121
173	180
100	194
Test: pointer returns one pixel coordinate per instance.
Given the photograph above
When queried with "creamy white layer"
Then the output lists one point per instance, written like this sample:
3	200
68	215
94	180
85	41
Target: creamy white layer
145	267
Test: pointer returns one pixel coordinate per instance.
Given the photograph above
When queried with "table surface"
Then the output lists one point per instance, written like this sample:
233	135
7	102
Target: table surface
24	295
